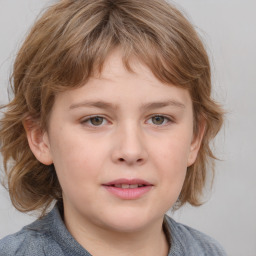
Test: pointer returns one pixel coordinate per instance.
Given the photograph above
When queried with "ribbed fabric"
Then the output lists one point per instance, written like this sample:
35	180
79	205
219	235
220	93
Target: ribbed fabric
49	237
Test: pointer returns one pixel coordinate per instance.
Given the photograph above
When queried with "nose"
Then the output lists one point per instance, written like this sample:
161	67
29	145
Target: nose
129	146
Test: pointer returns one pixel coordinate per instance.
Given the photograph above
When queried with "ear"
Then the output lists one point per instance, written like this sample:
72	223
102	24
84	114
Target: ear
38	141
196	143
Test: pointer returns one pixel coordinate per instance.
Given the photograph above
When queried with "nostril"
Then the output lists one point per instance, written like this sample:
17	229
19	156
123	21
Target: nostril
123	160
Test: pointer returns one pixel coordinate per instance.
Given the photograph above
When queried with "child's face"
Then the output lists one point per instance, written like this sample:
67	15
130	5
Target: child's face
122	128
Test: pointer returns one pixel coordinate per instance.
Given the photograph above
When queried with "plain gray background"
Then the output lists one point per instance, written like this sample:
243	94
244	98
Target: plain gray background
229	30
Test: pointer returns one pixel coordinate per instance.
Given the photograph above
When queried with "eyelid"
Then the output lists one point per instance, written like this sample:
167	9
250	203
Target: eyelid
85	120
166	117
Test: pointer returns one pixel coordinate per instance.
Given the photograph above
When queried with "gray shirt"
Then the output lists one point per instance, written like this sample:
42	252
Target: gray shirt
49	236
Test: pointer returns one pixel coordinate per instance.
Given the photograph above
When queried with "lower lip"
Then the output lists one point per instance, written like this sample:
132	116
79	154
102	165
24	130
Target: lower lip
128	193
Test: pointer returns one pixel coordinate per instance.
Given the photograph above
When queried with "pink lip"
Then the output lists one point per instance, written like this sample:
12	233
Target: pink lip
128	193
128	181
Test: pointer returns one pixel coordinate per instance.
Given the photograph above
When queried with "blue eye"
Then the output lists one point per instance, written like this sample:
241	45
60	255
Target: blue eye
159	120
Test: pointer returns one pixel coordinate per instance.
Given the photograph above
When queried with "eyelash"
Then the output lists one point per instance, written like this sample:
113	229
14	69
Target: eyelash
167	120
88	120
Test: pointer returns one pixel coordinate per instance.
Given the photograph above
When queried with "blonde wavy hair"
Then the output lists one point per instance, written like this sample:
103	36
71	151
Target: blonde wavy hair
66	46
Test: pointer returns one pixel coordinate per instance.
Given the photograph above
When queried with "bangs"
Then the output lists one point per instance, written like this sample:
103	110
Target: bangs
84	44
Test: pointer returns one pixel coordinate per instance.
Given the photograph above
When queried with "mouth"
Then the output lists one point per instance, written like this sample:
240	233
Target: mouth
128	183
128	188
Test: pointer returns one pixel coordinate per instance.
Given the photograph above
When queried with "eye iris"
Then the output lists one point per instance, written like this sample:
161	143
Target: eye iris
158	119
97	120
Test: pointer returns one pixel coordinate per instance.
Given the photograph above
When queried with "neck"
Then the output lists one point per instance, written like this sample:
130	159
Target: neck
97	240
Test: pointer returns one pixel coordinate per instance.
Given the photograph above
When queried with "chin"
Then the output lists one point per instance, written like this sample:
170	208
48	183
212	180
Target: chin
130	221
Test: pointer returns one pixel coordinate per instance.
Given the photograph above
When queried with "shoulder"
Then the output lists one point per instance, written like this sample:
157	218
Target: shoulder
31	240
23	242
189	241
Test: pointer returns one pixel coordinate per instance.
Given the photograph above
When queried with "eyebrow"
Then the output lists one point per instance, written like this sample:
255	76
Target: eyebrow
147	106
162	104
97	104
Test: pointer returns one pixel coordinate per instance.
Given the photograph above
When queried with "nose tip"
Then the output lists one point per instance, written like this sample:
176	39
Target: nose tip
130	148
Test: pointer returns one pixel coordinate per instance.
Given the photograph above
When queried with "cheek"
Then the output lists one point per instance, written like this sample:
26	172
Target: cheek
175	151
74	160
171	163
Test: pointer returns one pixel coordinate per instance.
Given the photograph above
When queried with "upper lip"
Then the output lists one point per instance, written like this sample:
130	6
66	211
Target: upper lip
128	181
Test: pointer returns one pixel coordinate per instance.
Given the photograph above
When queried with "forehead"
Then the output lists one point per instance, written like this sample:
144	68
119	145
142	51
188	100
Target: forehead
116	87
115	66
115	70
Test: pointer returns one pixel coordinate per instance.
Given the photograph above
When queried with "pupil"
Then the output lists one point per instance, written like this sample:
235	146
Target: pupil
158	120
97	120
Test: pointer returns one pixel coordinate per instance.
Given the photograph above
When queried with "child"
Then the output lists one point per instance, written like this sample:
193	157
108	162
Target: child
111	120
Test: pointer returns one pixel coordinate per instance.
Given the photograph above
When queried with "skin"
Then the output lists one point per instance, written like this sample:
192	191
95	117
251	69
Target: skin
132	138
